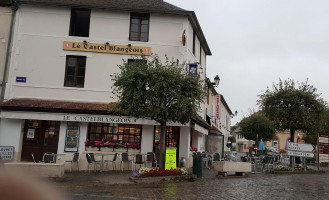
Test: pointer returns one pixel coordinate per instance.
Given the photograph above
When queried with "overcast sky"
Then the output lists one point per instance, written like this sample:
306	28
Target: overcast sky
256	42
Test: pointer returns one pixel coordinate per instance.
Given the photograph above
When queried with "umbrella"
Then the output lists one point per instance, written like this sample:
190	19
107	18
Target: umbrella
261	145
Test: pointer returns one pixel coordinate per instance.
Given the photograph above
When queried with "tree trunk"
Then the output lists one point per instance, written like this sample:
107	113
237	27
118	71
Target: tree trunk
162	161
292	136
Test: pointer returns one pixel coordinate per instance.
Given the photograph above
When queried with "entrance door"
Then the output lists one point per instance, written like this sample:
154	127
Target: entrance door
39	137
172	140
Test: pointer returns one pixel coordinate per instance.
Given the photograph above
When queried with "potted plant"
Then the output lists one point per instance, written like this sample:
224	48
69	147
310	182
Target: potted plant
133	147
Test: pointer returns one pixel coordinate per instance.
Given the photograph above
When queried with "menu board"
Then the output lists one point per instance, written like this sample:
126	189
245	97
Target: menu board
171	158
72	137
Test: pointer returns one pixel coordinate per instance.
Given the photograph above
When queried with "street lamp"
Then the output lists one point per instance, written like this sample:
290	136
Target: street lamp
216	81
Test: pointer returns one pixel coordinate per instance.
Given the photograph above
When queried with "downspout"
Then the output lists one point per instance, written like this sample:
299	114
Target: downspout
14	8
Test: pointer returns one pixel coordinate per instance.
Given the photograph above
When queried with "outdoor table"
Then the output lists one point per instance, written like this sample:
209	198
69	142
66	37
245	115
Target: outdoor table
103	154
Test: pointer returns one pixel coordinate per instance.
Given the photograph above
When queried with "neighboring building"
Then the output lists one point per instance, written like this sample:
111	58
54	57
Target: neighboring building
242	144
59	84
218	116
279	144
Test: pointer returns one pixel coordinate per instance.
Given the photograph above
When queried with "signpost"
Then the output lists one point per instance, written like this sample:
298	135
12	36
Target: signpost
300	150
170	158
300	147
300	154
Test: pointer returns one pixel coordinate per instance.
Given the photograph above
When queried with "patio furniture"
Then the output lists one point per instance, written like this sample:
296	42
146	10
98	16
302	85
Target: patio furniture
112	161
150	158
139	160
216	157
75	160
125	159
49	157
33	157
92	162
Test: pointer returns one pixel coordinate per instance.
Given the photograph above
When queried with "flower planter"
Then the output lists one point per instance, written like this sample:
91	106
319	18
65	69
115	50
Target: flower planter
134	150
107	149
92	149
120	149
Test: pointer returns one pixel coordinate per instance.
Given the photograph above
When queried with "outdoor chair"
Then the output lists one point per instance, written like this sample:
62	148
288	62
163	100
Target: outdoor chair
139	160
49	157
150	158
92	162
205	158
125	159
268	163
33	157
75	160
216	157
112	161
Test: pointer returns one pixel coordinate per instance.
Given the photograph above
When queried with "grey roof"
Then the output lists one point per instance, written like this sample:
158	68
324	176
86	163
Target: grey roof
155	5
152	6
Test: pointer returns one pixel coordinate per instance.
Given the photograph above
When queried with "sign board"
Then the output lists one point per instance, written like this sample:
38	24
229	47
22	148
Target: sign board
193	69
323	148
300	154
171	158
217	106
20	79
106	48
300	147
6	152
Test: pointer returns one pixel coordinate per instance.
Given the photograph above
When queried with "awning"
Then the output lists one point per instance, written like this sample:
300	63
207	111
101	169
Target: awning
200	129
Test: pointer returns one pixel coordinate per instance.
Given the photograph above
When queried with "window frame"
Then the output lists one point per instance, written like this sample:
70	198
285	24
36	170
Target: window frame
73	21
75	76
140	17
194	36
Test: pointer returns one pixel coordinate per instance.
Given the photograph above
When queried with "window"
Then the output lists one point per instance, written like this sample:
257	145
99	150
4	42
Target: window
193	42
75	71
139	27
136	62
122	133
80	22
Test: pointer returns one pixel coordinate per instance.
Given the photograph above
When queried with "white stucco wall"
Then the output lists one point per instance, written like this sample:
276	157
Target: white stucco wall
11	135
39	57
184	148
147	138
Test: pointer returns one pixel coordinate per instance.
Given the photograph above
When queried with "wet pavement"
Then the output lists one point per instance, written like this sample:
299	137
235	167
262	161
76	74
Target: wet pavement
99	186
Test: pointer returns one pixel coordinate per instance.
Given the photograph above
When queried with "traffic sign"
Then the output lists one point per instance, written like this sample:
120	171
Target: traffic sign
300	154
300	147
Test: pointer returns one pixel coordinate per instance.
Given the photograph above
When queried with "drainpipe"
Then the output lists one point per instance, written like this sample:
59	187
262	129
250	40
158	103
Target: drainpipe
14	8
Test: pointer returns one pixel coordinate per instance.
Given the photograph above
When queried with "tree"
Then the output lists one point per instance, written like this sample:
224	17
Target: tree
160	91
257	124
321	127
292	106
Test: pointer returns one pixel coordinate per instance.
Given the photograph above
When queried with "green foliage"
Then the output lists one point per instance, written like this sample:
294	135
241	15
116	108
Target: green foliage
292	106
320	127
160	91
255	124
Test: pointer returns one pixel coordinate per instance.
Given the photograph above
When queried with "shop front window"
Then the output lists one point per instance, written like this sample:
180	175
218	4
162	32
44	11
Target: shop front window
122	133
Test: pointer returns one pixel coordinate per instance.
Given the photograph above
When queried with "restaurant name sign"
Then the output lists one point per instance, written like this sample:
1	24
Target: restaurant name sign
106	48
78	118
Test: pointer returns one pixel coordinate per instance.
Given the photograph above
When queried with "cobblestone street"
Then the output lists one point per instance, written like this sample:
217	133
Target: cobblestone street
254	186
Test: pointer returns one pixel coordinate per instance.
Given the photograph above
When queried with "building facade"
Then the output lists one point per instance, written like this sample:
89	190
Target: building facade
59	79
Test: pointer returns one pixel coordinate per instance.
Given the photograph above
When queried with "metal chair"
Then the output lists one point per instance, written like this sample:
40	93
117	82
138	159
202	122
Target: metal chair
139	160
33	157
216	157
125	159
91	161
49	157
112	161
75	160
150	158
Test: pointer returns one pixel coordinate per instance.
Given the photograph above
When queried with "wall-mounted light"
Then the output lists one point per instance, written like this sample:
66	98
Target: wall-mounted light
216	81
107	43
85	41
129	45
